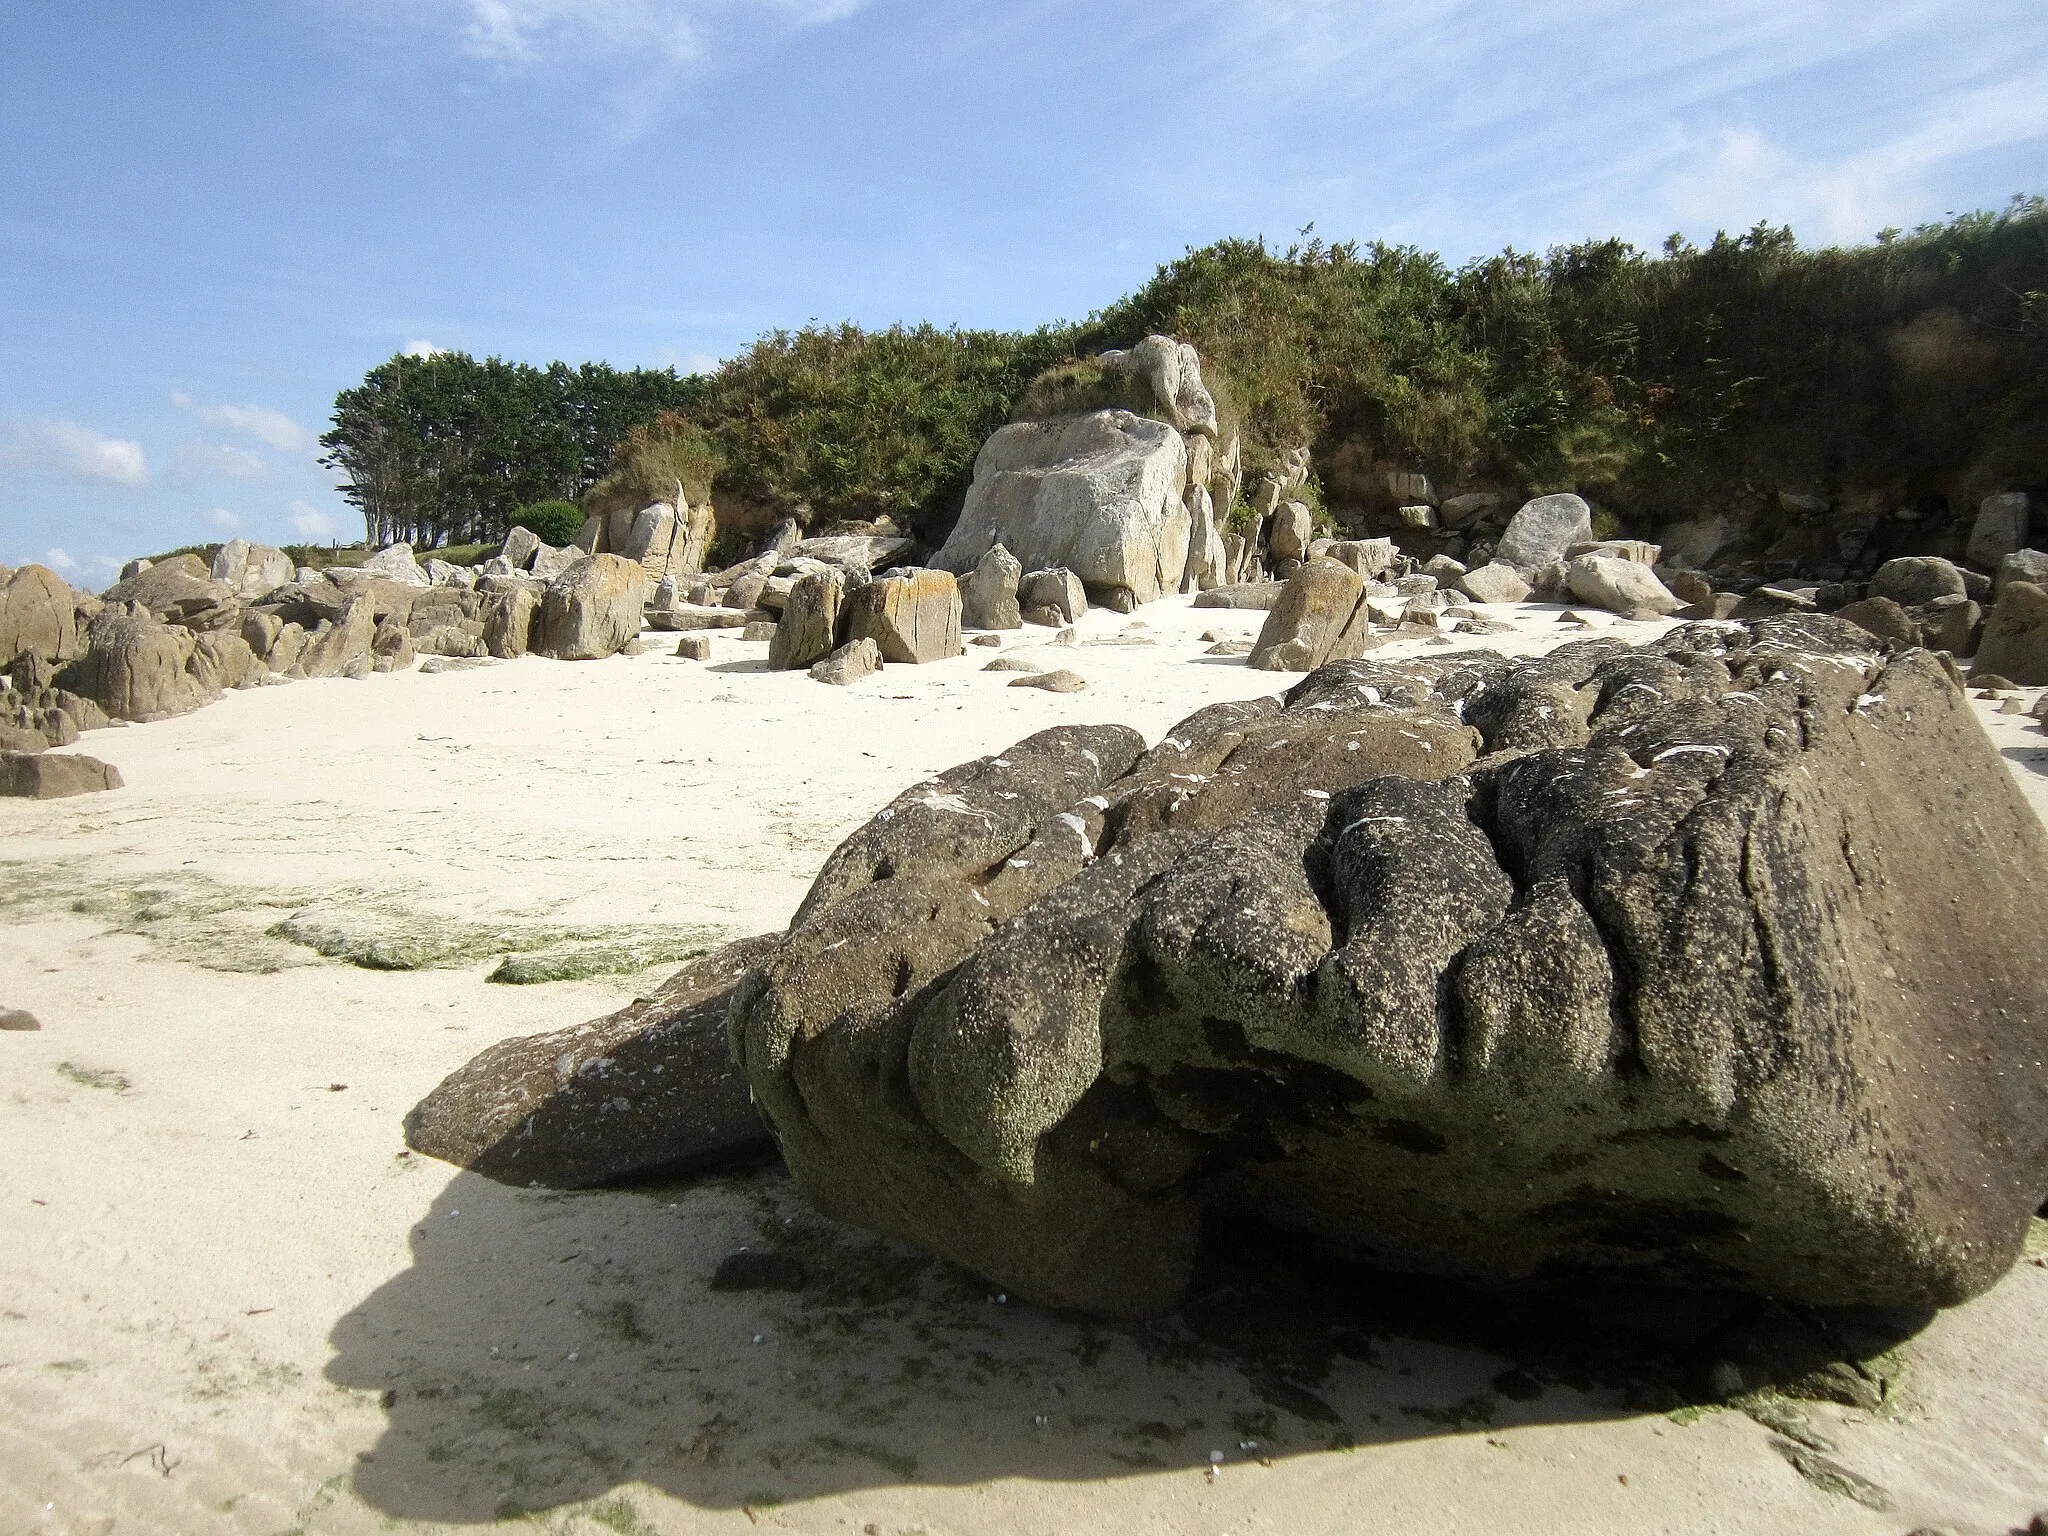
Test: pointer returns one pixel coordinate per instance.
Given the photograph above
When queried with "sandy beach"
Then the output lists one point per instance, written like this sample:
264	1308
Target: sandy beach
232	1301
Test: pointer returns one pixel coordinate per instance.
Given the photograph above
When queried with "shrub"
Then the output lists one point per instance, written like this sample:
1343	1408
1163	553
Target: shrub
652	460
552	522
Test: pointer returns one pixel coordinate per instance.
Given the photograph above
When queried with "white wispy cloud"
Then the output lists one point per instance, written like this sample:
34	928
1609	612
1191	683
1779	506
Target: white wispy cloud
222	518
266	424
312	523
59	560
1466	119
65	447
526	32
645	48
420	348
192	461
1741	175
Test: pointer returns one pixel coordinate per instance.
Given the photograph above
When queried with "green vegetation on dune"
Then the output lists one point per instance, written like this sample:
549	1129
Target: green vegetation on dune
1917	364
1601	366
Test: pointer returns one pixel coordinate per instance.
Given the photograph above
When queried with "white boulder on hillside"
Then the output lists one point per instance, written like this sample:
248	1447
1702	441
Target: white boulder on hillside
251	570
396	563
1174	370
1101	494
1543	530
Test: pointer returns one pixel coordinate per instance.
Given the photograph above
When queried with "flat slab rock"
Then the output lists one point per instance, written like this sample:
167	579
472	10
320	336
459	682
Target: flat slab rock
649	1089
1630	962
55	775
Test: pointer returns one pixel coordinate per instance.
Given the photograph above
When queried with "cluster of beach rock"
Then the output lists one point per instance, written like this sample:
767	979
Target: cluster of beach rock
1112	507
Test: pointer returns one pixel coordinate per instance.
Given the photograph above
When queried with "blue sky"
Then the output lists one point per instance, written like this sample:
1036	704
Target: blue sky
215	215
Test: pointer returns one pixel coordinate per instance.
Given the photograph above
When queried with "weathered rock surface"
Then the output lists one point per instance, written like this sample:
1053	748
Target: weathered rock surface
1208	562
178	591
689	616
855	551
911	618
396	562
1369	557
808	630
1636	963
250	571
988	597
1321	616
336	649
1059	680
54	775
508	621
134	666
1057	589
1917	579
849	664
649	1089
1494	582
591	610
2015	643
1999	530
1291	529
2022	565
1543	530
1100	494
38	612
1253	595
1627	587
1883	618
1174	370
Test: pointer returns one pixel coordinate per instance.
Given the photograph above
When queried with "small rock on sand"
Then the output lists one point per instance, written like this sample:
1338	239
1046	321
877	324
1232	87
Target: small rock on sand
18	1019
1061	681
1012	664
694	647
850	663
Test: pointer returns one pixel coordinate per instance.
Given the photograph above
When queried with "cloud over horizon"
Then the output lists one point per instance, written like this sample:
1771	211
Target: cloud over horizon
266	424
66	447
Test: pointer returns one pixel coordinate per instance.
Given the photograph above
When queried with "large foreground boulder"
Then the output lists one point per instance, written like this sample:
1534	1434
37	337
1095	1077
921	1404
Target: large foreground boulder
649	1089
591	610
1101	494
1638	963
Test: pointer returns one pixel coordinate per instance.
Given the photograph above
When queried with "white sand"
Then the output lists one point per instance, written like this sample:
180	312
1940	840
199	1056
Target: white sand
218	1262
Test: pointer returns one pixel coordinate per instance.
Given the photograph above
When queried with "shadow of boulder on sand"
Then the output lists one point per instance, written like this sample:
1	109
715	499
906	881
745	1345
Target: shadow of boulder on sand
546	1348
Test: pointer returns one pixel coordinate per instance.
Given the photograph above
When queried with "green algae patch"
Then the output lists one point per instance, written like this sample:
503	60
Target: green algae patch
198	920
